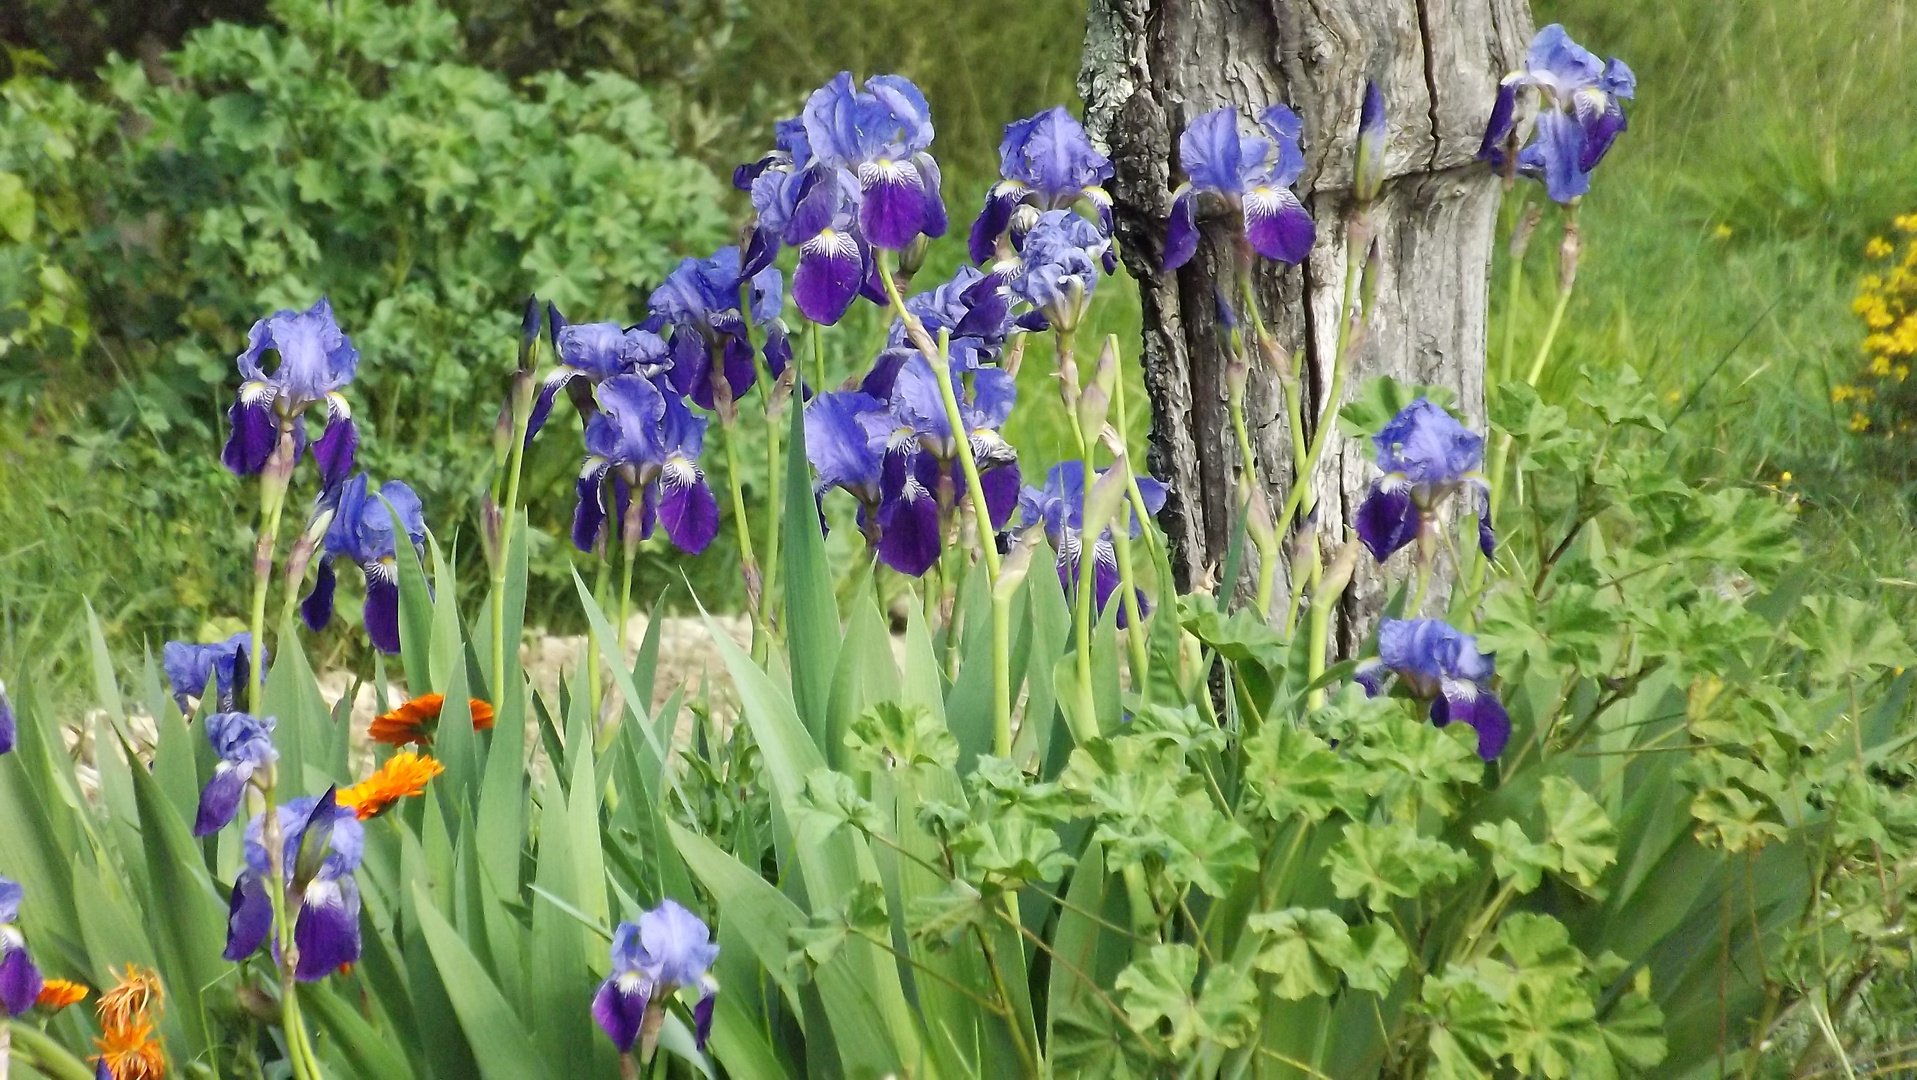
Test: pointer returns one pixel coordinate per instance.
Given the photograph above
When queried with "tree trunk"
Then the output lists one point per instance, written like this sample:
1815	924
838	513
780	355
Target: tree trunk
1151	67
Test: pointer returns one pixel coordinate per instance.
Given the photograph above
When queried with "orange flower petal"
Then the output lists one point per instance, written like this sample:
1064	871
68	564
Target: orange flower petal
404	774
413	722
59	993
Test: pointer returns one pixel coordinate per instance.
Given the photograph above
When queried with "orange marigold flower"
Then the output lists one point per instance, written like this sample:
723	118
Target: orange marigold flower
414	721
57	994
404	774
128	1015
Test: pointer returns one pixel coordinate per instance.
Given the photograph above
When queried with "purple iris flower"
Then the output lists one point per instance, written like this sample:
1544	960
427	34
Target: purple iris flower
1057	268
649	442
1426	455
1252	175
363	532
1580	113
324	842
877	138
1059	506
1047	163
974	308
20	980
595	352
700	301
9	727
920	452
843	453
227	663
667	950
316	363
244	743
1442	665
814	207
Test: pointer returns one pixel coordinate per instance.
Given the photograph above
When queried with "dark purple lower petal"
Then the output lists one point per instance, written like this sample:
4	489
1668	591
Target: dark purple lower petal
1560	143
1371	674
828	275
590	514
382	606
739	370
778	347
1181	236
1499	127
542	405
20	981
702	1019
317	608
909	540
1387	520
1479	707
761	248
992	220
1278	225
255	430
687	507
1001	493
897	206
327	931
1104	573
620	1013
1487	537
9	726
334	451
221	799
249	917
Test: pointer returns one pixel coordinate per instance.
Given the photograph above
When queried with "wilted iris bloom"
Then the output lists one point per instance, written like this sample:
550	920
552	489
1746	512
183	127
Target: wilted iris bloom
20	980
1426	455
1058	266
1252	175
316	363
1580	113
1059	506
1442	665
648	442
669	949
227	664
843	454
363	532
324	842
594	352
244	743
700	301
1047	163
813	206
920	447
878	137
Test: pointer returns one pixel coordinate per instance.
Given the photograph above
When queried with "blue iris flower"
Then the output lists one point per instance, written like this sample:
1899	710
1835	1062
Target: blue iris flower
244	743
594	352
324	842
920	452
1046	163
843	453
228	664
667	950
1252	175
647	442
363	532
814	206
1059	507
1426	455
877	138
974	308
1580	113
1057	267
700	302
20	980
316	362
1441	665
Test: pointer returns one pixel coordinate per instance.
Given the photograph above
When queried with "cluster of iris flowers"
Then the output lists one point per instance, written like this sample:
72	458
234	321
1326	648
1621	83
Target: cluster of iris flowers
850	184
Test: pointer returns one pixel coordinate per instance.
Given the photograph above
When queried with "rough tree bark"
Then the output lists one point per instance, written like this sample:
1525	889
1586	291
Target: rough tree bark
1151	66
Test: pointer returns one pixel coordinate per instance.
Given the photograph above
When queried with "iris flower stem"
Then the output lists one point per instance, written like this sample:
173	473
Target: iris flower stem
939	355
1134	618
747	560
625	594
592	655
273	484
1347	317
522	417
774	489
1083	585
818	354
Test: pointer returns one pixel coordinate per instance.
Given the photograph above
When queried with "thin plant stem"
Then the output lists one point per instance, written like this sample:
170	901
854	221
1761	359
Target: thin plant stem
1083	585
1128	601
274	480
768	580
38	1049
1301	485
625	593
940	358
748	561
817	339
592	654
522	417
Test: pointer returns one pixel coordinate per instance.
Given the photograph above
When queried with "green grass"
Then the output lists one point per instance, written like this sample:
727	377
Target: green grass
1724	241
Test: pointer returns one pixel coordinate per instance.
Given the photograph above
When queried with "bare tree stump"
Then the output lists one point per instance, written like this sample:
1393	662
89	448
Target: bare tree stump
1151	67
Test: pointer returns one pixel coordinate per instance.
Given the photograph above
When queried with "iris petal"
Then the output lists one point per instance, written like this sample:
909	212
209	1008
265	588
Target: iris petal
620	1013
327	931
255	431
20	981
335	449
249	917
317	608
897	206
1278	225
1181	237
1387	520
221	799
828	276
382	608
687	507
